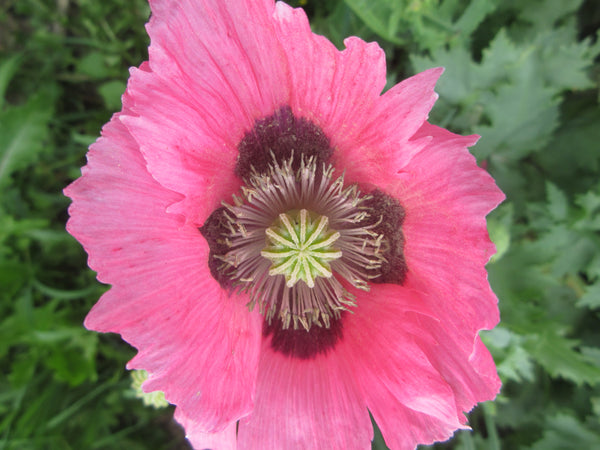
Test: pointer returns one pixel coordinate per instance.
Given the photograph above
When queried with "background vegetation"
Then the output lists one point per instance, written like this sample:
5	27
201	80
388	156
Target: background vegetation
523	74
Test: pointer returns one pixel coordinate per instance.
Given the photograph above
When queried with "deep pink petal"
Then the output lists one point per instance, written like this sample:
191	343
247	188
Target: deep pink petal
199	346
446	197
336	90
431	323
219	54
411	401
332	88
180	149
215	68
306	404
470	371
341	93
381	143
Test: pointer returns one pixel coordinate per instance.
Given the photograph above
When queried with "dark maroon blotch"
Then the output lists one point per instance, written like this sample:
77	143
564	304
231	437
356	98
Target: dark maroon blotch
214	230
303	344
282	135
392	214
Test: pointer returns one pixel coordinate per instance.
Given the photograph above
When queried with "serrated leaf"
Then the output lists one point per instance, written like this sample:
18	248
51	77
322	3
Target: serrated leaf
564	61
561	359
574	149
593	268
459	79
590	202
516	365
523	115
513	361
474	14
23	131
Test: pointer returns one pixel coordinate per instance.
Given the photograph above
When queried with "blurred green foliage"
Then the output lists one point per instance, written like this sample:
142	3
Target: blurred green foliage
524	75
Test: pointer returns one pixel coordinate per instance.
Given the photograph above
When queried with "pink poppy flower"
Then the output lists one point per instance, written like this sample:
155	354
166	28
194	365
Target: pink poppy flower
288	249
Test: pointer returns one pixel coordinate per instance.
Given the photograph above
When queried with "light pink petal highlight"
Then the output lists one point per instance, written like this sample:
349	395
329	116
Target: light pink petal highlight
222	440
200	347
306	404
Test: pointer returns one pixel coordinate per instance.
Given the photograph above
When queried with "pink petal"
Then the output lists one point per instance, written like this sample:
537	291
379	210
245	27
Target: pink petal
336	90
200	347
383	144
469	370
446	197
222	440
431	323
215	69
411	401
306	404
179	148
202	104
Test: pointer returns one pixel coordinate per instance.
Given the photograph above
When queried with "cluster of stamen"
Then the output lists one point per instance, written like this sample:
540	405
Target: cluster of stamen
293	236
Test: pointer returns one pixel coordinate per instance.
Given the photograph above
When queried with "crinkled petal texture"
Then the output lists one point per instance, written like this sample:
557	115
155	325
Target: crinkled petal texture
416	346
410	354
201	349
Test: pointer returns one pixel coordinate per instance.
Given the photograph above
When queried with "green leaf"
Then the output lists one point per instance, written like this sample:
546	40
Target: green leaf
459	80
111	93
381	16
557	202
565	432
93	65
474	14
512	360
564	61
523	115
544	14
425	24
8	68
591	297
500	236
560	357
13	275
23	135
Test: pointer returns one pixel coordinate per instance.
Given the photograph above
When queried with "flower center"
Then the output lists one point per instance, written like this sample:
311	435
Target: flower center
291	238
296	240
301	248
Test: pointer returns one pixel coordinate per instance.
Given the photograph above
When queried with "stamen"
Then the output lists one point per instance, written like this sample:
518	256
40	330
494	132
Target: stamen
291	236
